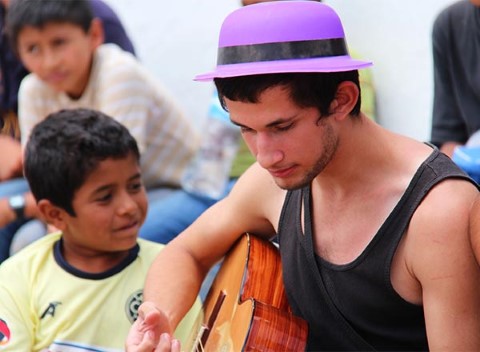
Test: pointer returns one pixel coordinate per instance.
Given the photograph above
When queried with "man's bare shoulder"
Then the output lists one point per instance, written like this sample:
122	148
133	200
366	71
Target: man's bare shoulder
438	237
253	205
257	181
451	196
445	209
257	194
440	258
474	228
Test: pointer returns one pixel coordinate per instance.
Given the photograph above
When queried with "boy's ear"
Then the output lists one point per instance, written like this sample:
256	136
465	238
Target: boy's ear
52	214
345	99
96	33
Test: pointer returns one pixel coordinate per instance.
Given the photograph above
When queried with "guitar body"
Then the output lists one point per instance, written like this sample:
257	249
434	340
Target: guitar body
246	308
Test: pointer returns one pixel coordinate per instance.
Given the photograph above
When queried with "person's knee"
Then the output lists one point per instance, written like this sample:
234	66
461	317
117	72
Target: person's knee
14	186
26	234
6	236
168	217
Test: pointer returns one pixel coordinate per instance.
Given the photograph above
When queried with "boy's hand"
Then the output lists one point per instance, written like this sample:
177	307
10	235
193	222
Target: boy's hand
151	332
10	158
7	215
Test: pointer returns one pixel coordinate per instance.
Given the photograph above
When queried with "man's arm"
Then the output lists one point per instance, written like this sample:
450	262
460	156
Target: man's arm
442	260
475	228
177	273
7	214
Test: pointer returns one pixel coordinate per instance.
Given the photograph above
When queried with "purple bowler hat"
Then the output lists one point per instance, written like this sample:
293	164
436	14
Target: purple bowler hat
281	37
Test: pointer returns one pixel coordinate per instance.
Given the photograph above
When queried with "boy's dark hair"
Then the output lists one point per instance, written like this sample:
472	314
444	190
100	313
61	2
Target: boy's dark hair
66	147
38	13
316	89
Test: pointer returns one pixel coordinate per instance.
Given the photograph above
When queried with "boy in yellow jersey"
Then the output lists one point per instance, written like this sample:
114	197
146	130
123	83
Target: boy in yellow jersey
79	289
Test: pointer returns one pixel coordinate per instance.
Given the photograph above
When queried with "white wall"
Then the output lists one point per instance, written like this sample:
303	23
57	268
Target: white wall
177	39
396	36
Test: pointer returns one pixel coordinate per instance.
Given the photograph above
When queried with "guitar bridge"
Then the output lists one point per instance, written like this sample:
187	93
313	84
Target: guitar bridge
204	332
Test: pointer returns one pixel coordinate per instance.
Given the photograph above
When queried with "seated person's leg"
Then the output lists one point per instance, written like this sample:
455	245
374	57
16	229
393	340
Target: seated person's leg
6	236
26	234
9	188
169	216
155	194
13	186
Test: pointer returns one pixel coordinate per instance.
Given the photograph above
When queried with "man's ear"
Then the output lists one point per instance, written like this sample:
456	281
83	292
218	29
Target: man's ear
96	33
345	99
52	214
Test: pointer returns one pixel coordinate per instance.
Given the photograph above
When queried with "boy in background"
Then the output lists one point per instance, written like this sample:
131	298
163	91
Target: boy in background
60	43
80	287
12	71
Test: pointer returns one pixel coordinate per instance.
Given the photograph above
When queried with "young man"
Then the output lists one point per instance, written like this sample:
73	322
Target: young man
186	206
372	225
80	288
60	42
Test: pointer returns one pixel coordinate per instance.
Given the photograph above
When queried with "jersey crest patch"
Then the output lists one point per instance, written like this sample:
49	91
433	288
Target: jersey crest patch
132	304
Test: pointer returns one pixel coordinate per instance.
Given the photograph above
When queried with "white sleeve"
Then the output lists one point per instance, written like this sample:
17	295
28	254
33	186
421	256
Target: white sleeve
30	106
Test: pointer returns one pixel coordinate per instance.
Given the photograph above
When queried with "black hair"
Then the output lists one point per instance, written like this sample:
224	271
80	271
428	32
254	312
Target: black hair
316	89
38	13
66	147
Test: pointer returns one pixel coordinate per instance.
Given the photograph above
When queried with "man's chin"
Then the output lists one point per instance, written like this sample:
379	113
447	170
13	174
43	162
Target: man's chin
290	186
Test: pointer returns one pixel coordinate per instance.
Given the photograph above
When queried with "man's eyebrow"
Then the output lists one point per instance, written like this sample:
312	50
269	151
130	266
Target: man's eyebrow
280	121
274	123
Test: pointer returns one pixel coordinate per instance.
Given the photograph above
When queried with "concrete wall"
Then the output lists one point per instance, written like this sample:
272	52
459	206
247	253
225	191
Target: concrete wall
177	39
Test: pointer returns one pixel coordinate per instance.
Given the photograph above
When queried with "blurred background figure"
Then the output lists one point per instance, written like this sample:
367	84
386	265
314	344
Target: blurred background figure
456	58
13	71
456	105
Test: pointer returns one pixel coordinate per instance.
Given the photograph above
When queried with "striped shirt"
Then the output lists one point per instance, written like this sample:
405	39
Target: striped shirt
120	87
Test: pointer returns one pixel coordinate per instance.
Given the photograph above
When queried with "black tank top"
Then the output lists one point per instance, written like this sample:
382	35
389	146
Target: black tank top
354	306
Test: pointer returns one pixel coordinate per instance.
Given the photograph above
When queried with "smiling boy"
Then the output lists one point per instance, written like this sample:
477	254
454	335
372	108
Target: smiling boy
80	287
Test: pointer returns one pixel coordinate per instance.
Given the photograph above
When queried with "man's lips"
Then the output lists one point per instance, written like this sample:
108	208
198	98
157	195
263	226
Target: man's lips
281	173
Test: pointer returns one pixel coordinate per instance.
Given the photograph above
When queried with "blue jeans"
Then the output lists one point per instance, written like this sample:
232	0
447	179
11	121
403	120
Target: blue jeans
169	217
15	186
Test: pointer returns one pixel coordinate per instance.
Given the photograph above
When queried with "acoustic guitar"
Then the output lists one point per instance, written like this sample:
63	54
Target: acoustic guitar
246	308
